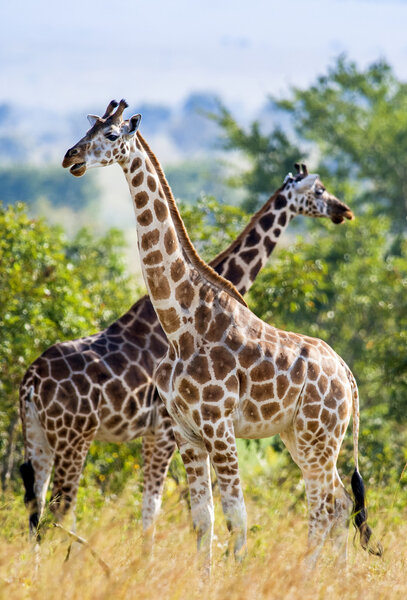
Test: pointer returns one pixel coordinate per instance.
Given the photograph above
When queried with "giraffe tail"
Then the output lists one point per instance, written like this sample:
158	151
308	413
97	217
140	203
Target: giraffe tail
358	487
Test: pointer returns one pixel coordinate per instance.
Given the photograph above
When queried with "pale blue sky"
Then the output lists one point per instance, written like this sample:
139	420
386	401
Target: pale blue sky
80	53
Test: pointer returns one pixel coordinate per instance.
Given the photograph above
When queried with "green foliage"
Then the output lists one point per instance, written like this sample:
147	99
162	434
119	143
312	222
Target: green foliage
31	184
270	158
212	225
111	466
358	119
51	289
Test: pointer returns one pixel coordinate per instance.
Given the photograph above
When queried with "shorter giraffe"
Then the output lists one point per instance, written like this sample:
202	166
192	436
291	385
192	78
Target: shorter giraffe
101	387
226	373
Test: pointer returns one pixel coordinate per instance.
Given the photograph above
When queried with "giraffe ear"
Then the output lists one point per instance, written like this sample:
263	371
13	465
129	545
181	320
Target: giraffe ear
92	119
134	123
306	183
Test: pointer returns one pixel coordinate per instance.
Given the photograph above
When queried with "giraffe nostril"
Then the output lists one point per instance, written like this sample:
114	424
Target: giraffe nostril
74	152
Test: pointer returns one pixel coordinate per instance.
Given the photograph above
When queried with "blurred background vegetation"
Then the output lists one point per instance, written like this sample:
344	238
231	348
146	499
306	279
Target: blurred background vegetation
347	284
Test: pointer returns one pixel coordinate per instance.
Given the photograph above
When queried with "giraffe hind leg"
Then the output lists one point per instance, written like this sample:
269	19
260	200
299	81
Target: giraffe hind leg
320	491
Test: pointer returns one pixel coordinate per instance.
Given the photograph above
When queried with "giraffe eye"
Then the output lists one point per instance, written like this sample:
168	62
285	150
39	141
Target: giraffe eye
112	137
319	191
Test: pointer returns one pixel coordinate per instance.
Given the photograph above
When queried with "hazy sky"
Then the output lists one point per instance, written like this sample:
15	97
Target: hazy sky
80	53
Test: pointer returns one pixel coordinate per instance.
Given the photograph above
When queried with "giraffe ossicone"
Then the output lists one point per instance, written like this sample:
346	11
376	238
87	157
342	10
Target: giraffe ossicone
182	289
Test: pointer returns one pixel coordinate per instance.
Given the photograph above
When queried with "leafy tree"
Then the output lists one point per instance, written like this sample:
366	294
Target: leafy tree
358	119
212	225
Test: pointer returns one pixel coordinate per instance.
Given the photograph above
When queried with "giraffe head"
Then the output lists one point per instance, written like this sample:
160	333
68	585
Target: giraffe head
106	142
308	196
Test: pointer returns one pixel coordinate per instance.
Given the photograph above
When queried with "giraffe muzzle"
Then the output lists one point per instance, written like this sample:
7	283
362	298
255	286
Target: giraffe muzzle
78	167
74	160
339	218
339	212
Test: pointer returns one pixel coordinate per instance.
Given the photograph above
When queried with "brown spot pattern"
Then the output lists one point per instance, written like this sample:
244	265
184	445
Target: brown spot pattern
161	210
198	368
223	361
157	283
152	185
150	239
169	319
212	393
153	258
186	345
188	391
177	269
249	355
262	371
261	392
137	179
250	412
184	294
170	241
146	218
136	164
217	327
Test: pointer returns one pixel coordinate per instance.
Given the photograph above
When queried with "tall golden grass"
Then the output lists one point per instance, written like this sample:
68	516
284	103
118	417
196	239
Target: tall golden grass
274	567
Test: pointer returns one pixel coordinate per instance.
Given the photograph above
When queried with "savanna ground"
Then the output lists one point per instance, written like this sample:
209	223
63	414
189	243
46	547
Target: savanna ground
274	567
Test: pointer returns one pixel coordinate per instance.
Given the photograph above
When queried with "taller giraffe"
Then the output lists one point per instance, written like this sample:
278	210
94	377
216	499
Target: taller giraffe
101	387
226	372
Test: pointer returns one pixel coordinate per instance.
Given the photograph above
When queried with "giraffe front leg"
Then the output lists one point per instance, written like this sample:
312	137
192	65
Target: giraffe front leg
225	462
158	449
196	461
321	507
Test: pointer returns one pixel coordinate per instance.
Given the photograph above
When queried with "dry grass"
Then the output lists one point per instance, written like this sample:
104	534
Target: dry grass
273	568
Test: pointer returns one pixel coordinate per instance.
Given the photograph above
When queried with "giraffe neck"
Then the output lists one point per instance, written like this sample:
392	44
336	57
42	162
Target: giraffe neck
241	262
168	259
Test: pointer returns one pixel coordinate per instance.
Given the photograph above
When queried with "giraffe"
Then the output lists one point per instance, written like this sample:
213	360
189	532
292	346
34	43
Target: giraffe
226	373
115	368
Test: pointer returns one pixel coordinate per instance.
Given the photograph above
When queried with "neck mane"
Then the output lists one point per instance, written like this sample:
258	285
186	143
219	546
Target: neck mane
243	235
182	234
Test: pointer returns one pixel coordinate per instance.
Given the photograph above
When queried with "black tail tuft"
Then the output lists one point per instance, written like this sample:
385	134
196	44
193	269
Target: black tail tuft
360	515
27	473
30	500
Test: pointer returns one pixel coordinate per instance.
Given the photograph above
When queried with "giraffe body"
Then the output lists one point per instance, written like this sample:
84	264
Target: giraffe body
223	365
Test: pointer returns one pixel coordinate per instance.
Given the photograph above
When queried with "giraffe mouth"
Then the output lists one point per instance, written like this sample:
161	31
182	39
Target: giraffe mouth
78	169
338	219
